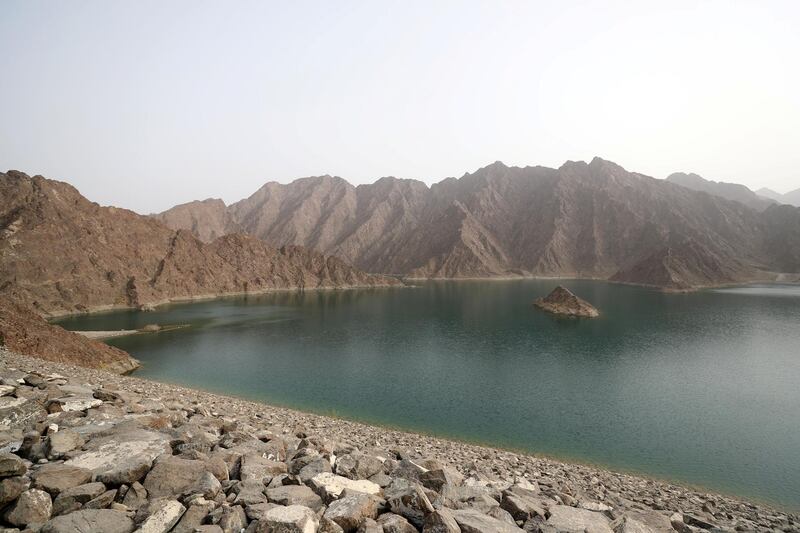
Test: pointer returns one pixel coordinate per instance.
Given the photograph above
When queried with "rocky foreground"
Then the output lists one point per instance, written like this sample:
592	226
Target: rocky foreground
84	450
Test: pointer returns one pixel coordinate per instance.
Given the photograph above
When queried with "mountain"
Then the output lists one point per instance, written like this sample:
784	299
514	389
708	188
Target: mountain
790	198
61	253
730	191
589	220
207	219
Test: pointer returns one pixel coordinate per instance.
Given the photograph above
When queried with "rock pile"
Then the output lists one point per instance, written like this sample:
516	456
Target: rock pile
84	450
562	301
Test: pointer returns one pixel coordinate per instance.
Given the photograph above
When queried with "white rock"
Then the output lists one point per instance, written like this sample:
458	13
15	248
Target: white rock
163	519
330	486
290	519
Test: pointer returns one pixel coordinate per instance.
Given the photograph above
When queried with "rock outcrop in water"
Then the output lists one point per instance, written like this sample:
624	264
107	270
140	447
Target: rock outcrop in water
562	301
61	253
584	220
119	454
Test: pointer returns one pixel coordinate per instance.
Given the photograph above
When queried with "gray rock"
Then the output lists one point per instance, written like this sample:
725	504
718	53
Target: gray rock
20	413
295	495
63	441
233	519
251	492
173	477
73	498
626	524
357	465
523	507
258	510
441	521
370	526
471	521
565	518
103	501
33	506
291	519
394	523
436	479
409	501
253	466
318	466
162	519
194	516
11	488
123	457
330	486
56	477
89	521
11	465
136	496
351	509
502	515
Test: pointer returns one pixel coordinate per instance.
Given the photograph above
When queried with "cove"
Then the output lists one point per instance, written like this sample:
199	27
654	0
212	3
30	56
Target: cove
701	388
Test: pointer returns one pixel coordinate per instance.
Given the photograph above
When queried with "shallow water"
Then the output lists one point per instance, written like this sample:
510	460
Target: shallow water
702	388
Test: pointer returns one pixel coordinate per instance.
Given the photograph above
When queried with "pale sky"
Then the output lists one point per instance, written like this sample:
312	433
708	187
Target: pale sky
146	104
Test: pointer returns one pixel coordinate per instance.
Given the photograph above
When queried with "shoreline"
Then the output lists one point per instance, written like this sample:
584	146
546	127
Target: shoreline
500	462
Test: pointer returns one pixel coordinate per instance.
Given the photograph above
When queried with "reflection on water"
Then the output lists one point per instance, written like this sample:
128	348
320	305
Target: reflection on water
698	387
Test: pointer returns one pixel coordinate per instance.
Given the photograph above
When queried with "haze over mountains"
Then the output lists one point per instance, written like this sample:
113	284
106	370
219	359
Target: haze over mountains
791	197
590	220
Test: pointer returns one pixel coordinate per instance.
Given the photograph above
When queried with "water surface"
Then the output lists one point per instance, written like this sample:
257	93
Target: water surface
702	388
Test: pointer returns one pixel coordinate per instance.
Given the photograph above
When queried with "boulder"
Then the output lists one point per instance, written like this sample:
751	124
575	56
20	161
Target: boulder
33	506
441	521
394	523
409	501
103	501
73	498
369	526
11	465
20	412
56	477
194	516
173	477
233	519
135	497
253	466
521	506
122	457
351	509
11	488
295	495
290	519
162	519
63	441
358	465
85	521
565	518
330	486
471	521
436	479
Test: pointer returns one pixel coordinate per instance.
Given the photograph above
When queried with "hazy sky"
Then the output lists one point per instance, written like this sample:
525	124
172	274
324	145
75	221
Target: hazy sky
147	104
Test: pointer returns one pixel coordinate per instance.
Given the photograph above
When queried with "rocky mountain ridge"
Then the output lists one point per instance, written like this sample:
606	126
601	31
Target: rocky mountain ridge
61	254
790	198
587	220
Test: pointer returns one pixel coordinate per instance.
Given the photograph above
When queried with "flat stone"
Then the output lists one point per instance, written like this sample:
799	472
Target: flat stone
394	523
351	509
295	495
63	441
441	521
11	465
330	486
471	521
253	466
163	518
56	477
73	498
90	521
565	518
77	403
20	412
290	519
173	476
33	506
6	390
122	457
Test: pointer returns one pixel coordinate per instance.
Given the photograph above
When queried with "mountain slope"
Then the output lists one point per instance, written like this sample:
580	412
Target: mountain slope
790	198
729	191
207	219
61	253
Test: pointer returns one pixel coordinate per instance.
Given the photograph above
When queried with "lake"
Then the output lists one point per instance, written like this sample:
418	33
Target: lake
701	388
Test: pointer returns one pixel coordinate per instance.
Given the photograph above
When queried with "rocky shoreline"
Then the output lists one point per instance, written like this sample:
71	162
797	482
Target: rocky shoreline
87	450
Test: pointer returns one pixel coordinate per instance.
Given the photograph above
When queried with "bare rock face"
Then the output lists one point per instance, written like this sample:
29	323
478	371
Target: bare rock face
561	301
593	220
730	191
60	253
207	219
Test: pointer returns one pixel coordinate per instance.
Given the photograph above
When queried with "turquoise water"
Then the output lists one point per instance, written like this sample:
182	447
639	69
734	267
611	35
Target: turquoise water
702	388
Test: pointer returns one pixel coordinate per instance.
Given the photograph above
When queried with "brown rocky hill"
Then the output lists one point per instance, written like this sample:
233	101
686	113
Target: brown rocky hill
591	220
207	219
23	331
729	191
61	253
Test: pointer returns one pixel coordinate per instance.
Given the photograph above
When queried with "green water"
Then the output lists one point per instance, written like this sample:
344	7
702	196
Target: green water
701	388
